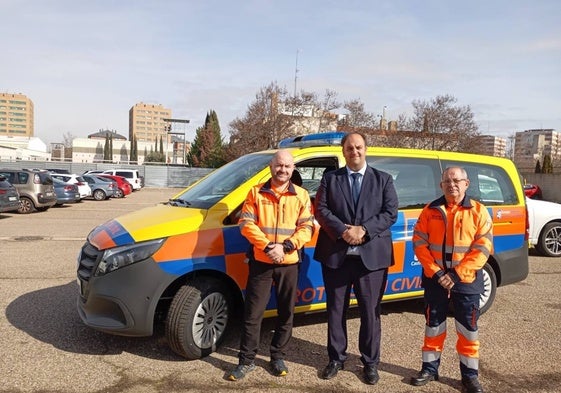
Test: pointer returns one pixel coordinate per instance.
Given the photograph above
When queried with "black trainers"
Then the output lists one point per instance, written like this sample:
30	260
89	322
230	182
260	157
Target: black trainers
278	367
240	371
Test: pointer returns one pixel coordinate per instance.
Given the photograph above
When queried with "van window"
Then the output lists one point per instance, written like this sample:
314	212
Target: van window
488	184
312	171
416	180
223	181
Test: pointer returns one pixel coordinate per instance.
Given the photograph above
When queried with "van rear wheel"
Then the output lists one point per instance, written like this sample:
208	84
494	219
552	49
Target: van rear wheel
490	288
197	318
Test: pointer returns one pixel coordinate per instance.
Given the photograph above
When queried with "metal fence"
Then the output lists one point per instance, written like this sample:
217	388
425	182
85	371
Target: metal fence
154	175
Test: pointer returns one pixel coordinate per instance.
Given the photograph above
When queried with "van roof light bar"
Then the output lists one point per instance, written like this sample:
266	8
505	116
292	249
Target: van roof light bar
319	139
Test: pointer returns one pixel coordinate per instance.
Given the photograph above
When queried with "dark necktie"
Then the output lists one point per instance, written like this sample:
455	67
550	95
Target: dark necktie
355	186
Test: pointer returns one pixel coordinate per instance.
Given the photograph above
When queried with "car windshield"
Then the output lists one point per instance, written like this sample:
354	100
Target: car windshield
222	181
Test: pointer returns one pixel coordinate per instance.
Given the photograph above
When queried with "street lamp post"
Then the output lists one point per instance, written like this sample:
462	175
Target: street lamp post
168	132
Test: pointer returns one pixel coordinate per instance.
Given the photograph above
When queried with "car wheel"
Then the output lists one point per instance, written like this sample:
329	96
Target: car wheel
119	193
489	288
549	242
197	318
26	205
99	195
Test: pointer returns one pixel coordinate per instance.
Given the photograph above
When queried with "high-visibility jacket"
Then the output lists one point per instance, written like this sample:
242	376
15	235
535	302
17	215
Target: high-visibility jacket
285	219
457	241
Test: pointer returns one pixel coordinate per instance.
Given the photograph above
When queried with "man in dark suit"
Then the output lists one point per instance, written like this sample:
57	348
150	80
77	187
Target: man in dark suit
355	206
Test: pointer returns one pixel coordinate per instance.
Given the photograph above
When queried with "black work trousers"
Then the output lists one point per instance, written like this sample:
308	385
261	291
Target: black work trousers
261	278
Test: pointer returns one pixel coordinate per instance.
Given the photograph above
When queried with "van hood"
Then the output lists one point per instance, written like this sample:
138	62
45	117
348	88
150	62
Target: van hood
155	222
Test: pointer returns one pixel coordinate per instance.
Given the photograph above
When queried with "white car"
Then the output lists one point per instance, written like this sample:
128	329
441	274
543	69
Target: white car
545	227
132	175
83	187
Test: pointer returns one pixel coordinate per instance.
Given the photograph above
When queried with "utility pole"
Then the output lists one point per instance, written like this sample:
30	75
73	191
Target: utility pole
296	72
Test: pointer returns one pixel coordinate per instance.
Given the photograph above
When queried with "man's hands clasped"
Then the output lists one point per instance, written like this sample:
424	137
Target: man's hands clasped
354	235
276	253
446	281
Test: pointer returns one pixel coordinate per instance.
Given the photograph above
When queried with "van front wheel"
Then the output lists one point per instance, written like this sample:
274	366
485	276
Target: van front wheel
197	318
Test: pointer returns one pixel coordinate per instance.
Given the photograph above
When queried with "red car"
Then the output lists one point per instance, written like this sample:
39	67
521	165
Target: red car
124	187
532	191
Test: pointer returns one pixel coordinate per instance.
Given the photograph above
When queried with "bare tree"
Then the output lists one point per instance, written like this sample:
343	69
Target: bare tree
275	115
262	127
67	139
443	125
358	116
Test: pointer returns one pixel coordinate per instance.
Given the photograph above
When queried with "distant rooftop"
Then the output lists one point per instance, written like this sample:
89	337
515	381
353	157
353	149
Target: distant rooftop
102	134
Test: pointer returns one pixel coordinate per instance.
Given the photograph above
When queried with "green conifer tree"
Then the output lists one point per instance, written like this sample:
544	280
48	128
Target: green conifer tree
207	150
547	166
538	168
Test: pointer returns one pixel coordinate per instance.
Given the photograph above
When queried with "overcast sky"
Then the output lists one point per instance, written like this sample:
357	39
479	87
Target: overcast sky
84	64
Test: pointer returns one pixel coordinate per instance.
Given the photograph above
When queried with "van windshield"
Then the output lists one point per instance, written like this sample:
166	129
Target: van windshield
222	181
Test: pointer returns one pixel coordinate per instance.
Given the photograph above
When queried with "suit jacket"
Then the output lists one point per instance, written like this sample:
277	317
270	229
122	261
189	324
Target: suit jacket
376	210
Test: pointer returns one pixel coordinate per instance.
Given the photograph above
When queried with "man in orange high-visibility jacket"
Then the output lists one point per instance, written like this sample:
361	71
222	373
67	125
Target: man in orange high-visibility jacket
453	239
277	220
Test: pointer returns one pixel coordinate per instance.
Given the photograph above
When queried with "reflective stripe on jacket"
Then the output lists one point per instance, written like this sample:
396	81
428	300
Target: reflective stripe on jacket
466	248
267	219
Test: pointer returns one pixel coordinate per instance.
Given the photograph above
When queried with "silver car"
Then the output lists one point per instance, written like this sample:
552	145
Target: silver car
35	188
102	187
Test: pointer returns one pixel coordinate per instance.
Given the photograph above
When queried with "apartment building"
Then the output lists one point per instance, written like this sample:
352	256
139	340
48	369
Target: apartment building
146	122
533	145
492	145
16	115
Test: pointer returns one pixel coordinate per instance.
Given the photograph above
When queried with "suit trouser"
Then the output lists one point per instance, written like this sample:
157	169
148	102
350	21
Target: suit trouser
261	278
466	315
368	286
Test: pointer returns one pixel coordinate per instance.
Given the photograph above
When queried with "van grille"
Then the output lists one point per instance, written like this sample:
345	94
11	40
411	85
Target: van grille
89	258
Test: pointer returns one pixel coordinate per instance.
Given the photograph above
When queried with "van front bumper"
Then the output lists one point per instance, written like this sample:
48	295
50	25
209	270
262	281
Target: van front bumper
124	301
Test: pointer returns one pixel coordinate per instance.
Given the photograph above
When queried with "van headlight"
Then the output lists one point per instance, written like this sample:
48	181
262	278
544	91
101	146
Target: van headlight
118	257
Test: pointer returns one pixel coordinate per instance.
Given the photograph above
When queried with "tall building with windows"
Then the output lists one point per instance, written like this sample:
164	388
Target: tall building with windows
533	145
492	145
16	115
146	122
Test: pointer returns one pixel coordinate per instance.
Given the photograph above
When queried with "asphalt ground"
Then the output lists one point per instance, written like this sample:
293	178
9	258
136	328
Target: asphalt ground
44	346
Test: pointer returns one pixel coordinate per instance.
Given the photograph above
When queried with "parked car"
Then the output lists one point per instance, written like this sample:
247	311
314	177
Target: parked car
65	192
93	172
9	196
58	170
35	188
533	191
83	186
132	176
545	227
102	187
124	188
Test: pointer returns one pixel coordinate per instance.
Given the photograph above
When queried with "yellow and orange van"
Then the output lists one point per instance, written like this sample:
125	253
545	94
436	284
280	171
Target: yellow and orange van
183	262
